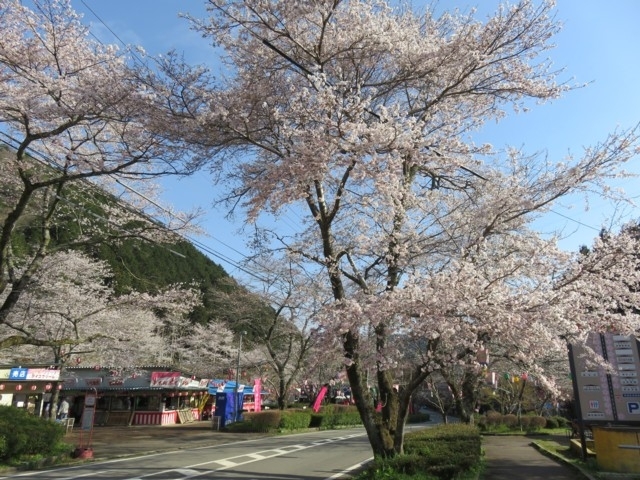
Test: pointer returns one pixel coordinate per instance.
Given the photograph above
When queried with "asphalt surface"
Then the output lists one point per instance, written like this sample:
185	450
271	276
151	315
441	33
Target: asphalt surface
112	442
511	457
507	457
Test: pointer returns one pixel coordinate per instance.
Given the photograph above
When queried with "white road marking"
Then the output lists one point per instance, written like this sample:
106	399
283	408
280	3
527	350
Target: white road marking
230	462
187	472
350	469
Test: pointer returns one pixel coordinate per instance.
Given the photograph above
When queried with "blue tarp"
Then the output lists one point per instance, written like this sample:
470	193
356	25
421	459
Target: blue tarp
226	408
229	387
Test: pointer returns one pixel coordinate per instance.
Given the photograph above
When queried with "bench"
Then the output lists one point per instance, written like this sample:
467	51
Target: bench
67	423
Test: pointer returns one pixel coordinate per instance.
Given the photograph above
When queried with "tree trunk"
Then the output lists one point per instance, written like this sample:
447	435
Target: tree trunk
55	396
385	430
282	394
464	398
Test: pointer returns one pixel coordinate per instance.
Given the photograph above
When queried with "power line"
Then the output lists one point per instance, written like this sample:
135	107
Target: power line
112	33
42	158
195	242
38	156
574	220
168	212
201	245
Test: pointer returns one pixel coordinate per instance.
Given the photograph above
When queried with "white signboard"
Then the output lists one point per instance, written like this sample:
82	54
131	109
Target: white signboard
605	396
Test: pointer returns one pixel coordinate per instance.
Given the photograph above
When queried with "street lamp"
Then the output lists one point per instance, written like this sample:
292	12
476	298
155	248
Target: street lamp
235	397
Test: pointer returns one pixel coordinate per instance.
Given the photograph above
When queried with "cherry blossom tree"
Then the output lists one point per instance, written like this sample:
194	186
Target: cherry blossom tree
362	114
611	265
277	321
70	311
549	372
203	350
464	385
438	396
69	315
73	112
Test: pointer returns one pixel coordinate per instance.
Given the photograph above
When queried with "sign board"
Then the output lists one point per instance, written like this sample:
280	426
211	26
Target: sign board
88	412
43	374
165	379
608	397
18	374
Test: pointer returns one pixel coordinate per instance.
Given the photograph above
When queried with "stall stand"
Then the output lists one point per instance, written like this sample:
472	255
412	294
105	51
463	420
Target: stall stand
29	387
227	403
153	395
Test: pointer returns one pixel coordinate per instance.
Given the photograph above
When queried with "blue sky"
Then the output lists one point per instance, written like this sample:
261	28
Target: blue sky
599	43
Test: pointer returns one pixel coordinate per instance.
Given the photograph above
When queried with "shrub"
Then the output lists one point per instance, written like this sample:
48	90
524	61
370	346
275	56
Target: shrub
408	464
264	422
3	443
510	420
294	419
242	426
443	443
333	416
24	434
525	422
316	420
536	423
552	423
562	422
443	452
493	419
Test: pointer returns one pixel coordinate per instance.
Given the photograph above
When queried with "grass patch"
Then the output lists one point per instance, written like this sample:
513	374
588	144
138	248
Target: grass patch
443	452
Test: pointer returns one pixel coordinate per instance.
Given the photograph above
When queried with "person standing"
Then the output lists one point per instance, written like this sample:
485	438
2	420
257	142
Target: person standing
63	410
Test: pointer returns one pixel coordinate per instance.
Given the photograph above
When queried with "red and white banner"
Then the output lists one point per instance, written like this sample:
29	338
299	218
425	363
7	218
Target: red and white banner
164	379
257	394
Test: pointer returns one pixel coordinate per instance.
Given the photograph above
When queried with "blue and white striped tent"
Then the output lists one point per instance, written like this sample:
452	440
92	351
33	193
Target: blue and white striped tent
229	386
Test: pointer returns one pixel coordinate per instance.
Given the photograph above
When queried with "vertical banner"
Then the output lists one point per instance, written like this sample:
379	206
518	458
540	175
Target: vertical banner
257	394
318	401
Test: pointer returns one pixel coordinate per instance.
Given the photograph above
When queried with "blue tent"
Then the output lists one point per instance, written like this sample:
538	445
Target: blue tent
228	386
226	407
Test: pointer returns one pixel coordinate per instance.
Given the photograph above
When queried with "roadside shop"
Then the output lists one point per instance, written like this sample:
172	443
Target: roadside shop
29	387
152	395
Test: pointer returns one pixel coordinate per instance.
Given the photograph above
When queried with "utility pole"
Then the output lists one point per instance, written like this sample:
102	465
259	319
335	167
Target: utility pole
235	397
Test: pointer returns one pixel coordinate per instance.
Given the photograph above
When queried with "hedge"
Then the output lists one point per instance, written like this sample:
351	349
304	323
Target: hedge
494	421
295	419
442	452
334	416
22	434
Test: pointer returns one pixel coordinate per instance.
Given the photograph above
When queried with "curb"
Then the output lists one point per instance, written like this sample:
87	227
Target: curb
562	460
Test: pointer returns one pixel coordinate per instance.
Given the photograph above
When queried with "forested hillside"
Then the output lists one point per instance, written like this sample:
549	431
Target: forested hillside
147	267
137	264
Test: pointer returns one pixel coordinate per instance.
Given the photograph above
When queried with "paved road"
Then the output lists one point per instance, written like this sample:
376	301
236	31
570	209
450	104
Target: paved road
319	455
168	449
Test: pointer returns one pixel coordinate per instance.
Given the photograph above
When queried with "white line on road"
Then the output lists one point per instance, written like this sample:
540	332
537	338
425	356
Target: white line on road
350	469
227	463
